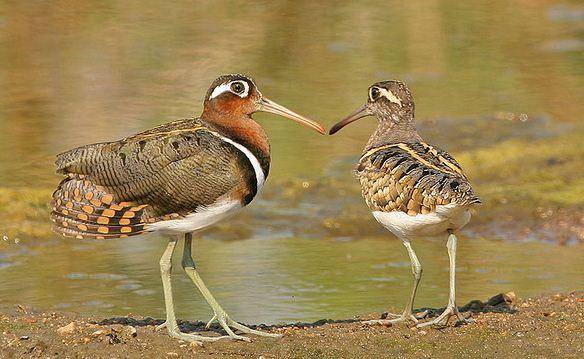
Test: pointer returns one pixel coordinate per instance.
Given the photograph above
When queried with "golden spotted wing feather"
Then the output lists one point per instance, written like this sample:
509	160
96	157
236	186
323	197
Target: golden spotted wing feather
413	178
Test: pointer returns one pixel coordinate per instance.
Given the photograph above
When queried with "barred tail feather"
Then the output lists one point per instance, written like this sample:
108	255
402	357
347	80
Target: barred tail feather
81	209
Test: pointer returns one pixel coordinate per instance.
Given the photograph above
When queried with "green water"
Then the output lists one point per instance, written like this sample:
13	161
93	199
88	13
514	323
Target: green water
499	84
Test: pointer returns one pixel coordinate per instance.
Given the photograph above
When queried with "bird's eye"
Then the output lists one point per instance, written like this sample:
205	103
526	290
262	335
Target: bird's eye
237	87
374	93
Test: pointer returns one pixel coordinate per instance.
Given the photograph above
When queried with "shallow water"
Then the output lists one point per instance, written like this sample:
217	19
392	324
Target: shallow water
500	85
280	280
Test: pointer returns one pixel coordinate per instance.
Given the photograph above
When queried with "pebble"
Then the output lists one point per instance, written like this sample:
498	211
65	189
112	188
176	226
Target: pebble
67	329
130	331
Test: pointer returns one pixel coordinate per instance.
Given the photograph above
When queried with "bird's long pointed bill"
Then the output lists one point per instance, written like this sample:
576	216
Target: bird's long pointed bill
357	114
272	107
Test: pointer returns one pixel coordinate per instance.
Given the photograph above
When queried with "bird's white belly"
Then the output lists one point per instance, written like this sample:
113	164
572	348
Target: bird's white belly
404	226
203	218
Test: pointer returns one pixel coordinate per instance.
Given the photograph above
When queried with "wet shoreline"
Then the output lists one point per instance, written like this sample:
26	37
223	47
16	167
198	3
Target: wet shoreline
503	326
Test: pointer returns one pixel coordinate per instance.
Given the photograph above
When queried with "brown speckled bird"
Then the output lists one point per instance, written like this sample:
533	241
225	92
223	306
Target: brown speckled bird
412	188
177	178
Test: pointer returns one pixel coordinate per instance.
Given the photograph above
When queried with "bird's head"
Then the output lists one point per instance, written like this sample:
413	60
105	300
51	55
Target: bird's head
387	101
236	95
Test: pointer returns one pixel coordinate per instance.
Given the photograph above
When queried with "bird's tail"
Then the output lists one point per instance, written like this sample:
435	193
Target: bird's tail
81	209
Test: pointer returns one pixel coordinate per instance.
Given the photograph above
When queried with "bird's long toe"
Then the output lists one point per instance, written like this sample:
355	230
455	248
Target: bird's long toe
193	338
405	317
444	318
247	330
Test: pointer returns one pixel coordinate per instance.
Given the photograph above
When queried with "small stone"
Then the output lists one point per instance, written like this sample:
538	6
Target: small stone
67	329
97	333
195	344
172	355
422	332
130	331
113	338
24	337
510	297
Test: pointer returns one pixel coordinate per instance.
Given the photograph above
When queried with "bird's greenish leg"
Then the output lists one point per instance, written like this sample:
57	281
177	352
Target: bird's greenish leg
408	310
451	309
417	272
219	314
171	324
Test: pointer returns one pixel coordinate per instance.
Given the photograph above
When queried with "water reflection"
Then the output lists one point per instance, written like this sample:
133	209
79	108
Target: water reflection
275	280
94	71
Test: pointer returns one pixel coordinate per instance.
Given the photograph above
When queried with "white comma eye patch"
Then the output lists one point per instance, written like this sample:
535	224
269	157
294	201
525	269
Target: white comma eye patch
236	87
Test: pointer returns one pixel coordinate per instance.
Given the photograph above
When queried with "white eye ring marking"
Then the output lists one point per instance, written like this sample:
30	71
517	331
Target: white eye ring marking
371	93
226	87
387	94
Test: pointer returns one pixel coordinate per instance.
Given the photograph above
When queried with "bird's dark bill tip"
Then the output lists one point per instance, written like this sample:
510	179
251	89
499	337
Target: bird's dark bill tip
334	129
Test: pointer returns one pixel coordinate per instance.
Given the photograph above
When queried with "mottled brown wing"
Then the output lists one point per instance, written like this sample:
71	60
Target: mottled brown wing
413	178
163	173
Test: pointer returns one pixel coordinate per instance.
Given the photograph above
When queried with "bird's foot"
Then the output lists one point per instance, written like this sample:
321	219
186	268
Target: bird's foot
444	318
227	323
192	338
397	318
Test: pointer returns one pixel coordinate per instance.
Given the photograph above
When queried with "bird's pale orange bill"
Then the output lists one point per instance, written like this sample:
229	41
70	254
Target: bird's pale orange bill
361	112
272	107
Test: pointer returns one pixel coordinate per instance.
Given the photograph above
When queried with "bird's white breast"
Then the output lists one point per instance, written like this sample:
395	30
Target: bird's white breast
404	226
199	220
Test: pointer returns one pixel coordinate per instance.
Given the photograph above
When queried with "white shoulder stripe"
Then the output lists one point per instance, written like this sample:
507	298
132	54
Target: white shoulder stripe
259	173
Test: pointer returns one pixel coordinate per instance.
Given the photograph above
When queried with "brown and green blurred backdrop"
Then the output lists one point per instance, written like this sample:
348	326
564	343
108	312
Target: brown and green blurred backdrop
499	84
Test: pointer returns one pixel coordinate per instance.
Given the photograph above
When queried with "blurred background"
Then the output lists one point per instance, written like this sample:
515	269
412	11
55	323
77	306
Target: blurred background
498	84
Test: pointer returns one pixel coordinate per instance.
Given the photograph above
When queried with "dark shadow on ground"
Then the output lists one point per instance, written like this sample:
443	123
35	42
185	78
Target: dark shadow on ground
501	303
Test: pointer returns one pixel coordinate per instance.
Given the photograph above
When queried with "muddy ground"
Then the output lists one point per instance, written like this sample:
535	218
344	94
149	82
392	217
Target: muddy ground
544	327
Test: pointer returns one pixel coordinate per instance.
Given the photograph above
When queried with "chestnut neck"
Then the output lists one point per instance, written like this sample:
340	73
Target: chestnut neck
242	128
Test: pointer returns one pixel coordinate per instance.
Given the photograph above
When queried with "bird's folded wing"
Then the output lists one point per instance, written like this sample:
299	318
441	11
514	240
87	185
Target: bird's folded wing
413	178
177	166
